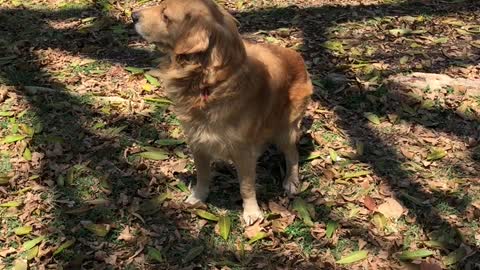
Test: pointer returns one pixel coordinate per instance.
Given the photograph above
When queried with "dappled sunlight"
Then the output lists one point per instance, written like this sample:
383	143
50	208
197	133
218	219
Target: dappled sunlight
93	159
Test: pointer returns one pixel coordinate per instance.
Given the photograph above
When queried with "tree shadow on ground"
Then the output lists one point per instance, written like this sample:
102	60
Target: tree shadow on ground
66	124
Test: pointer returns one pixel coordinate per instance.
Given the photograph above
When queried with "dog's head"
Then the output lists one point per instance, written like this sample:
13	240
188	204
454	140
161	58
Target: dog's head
184	27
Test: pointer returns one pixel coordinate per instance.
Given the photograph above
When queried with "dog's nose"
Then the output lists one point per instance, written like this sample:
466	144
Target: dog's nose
135	17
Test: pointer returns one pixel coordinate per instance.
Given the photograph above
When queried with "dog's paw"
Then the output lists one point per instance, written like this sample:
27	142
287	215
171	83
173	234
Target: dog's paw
251	215
291	186
199	195
195	198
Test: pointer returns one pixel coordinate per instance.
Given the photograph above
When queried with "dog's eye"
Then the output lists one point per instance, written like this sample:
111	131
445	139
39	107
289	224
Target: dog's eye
165	18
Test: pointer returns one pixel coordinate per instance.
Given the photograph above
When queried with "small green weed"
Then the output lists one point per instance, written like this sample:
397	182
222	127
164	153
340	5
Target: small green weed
5	165
411	235
96	67
342	245
301	233
445	209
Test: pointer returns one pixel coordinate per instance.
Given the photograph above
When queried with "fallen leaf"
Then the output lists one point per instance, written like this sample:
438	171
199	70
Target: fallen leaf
4	180
20	264
369	203
472	28
379	221
63	246
406	153
23	230
182	187
436	154
350	175
278	209
169	142
258	236
312	156
436	244
30	244
441	40
155	254
152	80
11	204
280	224
429	266
454	256
154	205
8	114
333	155
372	118
224	224
134	70
32	253
147	87
126	235
252	230
335	46
98	229
5	252
12	139
301	207
391	208
154	155
27	154
206	215
331	228
161	101
404	60
353	257
414	255
193	253
399	32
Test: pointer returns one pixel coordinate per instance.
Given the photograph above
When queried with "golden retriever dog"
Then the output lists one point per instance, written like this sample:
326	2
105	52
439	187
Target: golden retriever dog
231	96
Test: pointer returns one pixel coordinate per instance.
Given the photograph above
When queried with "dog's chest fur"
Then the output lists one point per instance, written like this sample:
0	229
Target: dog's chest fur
210	132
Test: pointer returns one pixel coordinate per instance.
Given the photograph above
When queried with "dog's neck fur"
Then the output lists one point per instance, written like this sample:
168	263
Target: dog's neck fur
194	81
195	75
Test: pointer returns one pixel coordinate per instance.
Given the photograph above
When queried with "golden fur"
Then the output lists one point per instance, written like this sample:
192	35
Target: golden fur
232	96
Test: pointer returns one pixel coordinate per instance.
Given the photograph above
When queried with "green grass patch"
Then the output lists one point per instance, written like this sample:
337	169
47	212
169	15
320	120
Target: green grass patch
301	233
445	209
343	245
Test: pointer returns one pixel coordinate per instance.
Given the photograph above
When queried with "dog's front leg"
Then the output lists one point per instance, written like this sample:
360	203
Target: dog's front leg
202	188
245	163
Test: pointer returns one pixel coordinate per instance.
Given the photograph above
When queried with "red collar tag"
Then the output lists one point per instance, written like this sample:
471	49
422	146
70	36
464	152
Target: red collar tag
205	93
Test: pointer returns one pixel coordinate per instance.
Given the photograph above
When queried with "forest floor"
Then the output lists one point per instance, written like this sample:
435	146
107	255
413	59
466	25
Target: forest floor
94	169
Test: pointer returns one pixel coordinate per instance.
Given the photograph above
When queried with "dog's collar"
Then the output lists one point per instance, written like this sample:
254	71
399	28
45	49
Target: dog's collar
205	93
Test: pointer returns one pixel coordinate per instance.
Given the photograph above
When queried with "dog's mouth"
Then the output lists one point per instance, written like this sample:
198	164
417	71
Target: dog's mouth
138	29
160	44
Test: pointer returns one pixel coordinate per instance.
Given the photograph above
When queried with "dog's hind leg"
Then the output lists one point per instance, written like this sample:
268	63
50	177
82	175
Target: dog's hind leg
286	142
202	188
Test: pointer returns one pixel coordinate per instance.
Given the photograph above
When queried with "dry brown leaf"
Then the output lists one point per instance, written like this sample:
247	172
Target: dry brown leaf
5	252
280	224
369	203
329	174
318	231
429	266
126	235
391	208
252	230
278	209
406	153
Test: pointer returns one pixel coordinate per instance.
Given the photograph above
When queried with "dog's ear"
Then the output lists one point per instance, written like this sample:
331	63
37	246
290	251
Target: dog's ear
194	38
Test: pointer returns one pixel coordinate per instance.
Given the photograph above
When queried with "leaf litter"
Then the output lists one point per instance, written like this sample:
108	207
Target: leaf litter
357	189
